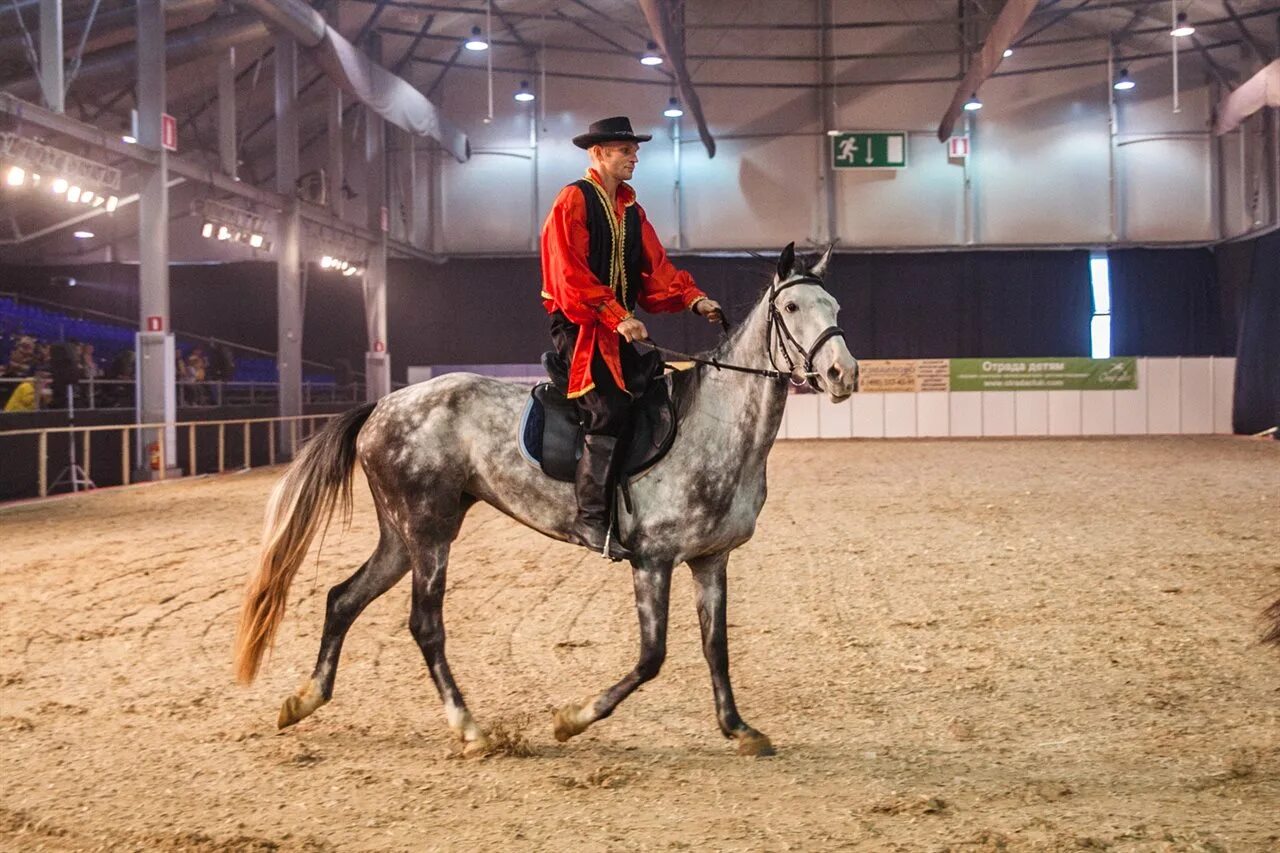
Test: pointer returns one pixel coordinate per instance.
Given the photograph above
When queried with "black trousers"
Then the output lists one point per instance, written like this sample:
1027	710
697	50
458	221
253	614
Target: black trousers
605	409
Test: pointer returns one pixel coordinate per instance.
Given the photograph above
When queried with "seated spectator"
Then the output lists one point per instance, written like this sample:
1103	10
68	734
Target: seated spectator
22	358
29	395
89	367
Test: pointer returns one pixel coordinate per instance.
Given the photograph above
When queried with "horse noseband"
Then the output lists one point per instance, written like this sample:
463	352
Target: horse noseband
775	320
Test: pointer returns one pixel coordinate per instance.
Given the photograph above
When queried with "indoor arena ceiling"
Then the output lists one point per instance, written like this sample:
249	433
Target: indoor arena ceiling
736	45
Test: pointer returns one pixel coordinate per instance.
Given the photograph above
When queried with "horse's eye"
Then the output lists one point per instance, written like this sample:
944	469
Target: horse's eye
791	308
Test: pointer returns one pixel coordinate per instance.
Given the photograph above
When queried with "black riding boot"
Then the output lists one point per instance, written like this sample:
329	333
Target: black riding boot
591	483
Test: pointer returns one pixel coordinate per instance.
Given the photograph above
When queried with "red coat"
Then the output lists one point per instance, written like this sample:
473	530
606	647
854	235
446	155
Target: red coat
568	285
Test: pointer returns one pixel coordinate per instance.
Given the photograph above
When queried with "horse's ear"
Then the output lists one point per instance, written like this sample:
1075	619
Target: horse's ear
820	268
787	262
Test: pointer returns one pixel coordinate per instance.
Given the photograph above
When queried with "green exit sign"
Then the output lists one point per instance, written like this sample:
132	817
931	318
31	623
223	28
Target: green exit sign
880	150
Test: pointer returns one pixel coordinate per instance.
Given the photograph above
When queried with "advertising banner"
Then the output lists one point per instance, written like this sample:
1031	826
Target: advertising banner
1044	374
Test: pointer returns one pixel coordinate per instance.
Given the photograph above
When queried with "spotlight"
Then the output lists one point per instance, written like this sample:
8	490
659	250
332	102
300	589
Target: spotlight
206	230
523	94
224	233
651	55
73	194
15	177
112	204
83	235
87	197
344	265
326	262
1008	52
973	103
673	108
59	186
833	133
1124	82
35	179
476	42
98	201
255	240
1183	28
129	139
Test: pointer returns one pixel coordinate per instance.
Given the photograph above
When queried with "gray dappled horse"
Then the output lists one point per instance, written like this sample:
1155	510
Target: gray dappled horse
430	451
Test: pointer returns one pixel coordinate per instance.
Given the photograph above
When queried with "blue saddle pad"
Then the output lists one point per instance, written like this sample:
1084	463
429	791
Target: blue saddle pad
551	435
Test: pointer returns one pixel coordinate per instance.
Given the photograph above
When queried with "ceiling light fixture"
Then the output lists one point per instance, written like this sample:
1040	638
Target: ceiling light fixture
973	104
1182	28
476	41
523	94
673	108
651	55
1123	82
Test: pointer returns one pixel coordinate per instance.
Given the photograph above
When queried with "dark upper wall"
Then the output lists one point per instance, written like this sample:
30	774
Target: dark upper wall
476	311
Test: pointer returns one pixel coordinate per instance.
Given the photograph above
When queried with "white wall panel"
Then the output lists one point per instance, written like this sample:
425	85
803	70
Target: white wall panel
1224	378
921	205
998	416
966	414
1040	158
471	226
1167	190
835	420
1195	396
1163	406
868	415
1098	413
802	416
933	413
1131	406
1031	413
900	416
1065	411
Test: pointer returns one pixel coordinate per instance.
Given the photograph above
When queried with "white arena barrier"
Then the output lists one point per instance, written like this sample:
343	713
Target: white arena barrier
1174	396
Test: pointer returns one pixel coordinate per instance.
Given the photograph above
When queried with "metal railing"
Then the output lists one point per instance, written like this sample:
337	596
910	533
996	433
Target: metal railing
95	394
299	429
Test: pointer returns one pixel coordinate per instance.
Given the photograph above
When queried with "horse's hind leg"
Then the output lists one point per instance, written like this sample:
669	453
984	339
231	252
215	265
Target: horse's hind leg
346	601
426	622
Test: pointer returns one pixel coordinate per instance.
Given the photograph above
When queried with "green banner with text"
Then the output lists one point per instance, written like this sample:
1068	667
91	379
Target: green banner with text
1044	374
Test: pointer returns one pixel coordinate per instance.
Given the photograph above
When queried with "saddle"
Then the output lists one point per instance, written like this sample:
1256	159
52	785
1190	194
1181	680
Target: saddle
551	435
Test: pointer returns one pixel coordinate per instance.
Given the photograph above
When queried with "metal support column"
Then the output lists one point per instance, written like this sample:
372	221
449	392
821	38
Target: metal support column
155	400
52	76
227	113
335	173
377	361
826	103
288	237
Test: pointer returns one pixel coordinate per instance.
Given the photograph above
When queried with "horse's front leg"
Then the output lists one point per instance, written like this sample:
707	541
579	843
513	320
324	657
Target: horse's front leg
710	577
653	594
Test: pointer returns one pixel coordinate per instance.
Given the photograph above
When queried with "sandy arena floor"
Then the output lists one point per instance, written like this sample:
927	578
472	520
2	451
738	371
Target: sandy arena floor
998	645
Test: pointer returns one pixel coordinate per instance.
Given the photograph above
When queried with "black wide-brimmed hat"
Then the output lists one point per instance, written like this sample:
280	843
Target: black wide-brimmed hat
616	129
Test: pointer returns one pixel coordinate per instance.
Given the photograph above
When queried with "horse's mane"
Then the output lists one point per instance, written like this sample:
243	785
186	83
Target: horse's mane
685	383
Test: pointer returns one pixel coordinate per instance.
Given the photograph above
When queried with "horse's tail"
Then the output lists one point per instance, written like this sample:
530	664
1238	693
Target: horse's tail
304	497
1271	617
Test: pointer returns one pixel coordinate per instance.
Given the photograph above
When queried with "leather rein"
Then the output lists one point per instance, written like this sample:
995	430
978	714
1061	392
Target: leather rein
777	326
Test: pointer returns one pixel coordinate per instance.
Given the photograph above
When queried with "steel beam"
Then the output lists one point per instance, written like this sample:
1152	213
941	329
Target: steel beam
659	15
227	113
52	73
155	368
288	236
377	360
1012	18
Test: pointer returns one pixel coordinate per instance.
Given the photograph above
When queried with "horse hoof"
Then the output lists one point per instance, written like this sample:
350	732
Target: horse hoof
478	748
299	706
755	744
290	713
565	724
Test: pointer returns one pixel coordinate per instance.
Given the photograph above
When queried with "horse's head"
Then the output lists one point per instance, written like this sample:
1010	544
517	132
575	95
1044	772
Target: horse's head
803	336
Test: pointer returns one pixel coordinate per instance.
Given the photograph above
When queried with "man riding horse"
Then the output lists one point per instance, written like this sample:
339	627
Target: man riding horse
600	258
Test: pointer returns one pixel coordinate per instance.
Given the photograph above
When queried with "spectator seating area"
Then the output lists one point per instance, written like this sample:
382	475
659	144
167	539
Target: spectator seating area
20	319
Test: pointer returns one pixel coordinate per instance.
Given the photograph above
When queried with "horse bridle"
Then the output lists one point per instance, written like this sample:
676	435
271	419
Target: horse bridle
778	326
